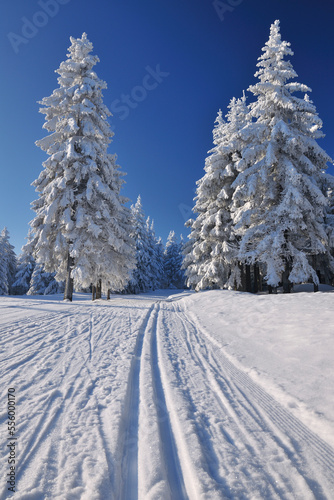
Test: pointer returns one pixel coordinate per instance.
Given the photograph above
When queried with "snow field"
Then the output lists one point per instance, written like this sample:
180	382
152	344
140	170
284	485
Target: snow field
179	397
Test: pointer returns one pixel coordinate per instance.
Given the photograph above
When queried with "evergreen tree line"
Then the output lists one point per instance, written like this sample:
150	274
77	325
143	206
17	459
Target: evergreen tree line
8	264
264	207
158	266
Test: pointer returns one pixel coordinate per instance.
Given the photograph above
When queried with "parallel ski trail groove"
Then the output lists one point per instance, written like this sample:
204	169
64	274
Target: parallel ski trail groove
136	399
278	414
170	456
127	478
268	411
228	405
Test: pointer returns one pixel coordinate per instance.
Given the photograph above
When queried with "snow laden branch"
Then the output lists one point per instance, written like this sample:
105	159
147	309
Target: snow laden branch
81	228
265	200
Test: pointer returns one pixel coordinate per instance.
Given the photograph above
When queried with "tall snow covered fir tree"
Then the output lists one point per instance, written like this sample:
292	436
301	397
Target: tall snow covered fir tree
25	269
7	263
4	288
149	271
173	272
141	280
279	205
211	255
264	198
155	256
81	228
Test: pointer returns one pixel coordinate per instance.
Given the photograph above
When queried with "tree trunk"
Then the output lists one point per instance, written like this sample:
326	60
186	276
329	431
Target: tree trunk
68	292
242	286
248	278
99	289
93	292
314	263
285	277
108	294
260	281
256	277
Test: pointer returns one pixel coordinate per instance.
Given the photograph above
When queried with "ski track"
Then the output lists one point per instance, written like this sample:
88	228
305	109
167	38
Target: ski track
127	485
255	413
64	371
160	472
167	438
136	400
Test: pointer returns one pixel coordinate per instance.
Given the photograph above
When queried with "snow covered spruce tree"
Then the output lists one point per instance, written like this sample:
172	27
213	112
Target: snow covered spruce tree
155	256
25	269
44	283
211	253
81	227
159	252
279	205
173	272
3	270
324	262
7	263
141	280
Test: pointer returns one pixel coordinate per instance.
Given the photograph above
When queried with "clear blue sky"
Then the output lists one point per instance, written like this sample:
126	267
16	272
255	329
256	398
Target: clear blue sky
162	134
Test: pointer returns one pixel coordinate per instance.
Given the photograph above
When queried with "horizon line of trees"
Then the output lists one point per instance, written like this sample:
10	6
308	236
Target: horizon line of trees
158	266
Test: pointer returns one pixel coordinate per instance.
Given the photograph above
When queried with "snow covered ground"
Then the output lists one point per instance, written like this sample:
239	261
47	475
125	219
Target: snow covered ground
208	395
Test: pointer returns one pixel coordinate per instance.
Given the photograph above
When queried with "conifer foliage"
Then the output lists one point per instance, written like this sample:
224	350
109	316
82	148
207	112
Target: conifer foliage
81	229
44	283
264	198
155	256
211	259
173	272
7	263
147	273
141	278
279	204
25	269
4	288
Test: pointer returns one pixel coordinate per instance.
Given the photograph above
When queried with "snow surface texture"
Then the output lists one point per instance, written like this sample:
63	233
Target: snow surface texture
202	396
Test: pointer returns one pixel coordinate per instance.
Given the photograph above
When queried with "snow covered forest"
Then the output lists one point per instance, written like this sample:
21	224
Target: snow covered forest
265	204
158	266
158	392
264	213
83	237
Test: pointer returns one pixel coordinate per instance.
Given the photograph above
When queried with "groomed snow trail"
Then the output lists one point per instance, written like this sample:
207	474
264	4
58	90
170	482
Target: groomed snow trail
135	399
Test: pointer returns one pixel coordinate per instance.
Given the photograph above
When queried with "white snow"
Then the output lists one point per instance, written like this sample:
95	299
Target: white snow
164	395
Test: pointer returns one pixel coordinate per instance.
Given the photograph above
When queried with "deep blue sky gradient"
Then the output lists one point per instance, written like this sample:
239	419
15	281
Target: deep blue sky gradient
162	140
